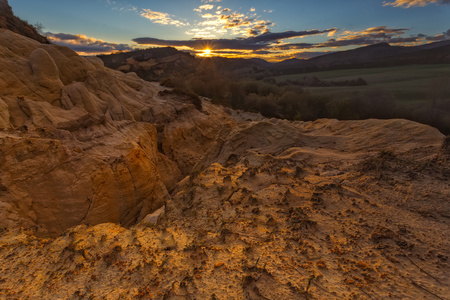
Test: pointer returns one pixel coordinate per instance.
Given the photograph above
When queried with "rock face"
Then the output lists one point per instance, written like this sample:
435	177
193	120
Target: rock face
274	210
58	183
77	140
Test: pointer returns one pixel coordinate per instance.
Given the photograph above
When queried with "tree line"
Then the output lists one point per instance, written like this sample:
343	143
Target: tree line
291	99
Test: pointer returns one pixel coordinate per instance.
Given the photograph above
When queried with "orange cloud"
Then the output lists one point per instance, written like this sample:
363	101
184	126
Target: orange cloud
204	7
414	3
160	18
85	45
234	23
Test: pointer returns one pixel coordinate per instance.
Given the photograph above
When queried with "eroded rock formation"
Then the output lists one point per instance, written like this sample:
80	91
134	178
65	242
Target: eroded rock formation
243	207
79	142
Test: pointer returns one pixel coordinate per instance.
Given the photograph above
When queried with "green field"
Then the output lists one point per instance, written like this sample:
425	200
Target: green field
407	83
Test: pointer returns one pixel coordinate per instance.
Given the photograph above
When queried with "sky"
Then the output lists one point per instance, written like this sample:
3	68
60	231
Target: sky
269	29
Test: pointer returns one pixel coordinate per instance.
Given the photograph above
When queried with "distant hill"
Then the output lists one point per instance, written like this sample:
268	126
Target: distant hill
156	63
13	23
378	55
151	64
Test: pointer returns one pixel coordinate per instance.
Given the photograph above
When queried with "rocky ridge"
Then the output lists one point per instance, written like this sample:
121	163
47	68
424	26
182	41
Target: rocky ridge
252	208
79	142
13	23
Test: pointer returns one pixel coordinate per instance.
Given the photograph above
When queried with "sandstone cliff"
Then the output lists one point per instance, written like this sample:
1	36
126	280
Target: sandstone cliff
127	193
78	144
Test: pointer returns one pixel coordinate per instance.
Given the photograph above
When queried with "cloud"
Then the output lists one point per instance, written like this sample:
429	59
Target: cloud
235	20
369	36
123	8
414	3
275	44
204	7
440	37
268	37
294	46
160	18
232	22
207	16
85	45
210	1
254	43
381	34
384	30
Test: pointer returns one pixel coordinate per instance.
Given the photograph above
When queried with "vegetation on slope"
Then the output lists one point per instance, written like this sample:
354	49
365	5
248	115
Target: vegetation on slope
302	97
13	23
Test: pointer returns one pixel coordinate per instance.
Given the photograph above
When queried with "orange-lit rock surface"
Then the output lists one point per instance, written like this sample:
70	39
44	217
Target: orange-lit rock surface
79	142
252	208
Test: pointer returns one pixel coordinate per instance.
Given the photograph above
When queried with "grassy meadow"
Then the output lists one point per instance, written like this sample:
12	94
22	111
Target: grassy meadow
412	83
416	92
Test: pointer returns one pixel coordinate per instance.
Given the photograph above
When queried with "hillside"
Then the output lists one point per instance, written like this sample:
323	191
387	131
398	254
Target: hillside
11	22
151	64
113	189
378	55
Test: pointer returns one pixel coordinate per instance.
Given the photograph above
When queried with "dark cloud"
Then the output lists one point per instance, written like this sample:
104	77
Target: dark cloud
252	32
199	44
405	40
385	30
251	43
348	42
263	52
439	37
84	44
63	36
295	46
381	34
228	52
270	37
369	36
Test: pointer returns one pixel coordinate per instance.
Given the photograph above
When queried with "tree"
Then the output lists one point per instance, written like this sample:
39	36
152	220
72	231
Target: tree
39	28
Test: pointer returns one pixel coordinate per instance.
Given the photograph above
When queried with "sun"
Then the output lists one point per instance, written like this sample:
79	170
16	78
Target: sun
207	51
